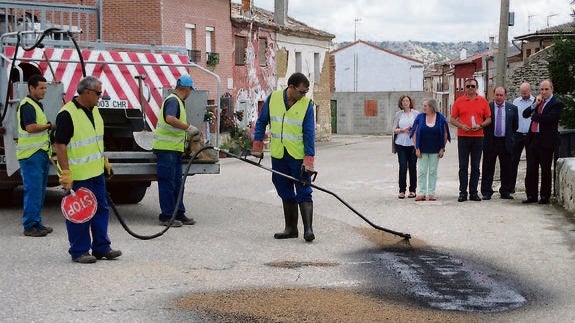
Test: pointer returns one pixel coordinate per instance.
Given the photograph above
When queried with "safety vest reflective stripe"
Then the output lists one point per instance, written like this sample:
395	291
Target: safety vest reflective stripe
167	137
86	147
286	126
29	143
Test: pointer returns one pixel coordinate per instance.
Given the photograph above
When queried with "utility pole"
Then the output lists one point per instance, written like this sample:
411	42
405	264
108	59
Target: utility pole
502	51
529	22
355	21
549	16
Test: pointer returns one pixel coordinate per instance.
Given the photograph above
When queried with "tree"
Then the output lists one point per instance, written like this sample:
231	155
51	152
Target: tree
562	70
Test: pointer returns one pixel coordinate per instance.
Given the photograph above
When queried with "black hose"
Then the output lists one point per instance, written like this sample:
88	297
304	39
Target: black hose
172	218
304	182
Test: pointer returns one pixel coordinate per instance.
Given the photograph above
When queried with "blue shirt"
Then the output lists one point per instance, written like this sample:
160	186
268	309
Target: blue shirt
308	125
431	141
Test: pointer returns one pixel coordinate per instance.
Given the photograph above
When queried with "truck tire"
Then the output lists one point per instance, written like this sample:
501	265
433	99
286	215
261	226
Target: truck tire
128	192
6	197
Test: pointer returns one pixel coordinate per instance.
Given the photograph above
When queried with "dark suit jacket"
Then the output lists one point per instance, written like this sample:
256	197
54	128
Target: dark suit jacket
548	136
511	125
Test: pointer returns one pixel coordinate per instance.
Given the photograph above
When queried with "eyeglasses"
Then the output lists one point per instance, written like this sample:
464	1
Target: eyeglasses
470	86
545	89
302	91
98	93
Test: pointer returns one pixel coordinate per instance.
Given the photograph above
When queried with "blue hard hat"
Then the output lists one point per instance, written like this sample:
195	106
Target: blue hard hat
185	80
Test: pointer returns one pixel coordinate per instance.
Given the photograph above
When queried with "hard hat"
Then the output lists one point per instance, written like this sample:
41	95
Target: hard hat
185	80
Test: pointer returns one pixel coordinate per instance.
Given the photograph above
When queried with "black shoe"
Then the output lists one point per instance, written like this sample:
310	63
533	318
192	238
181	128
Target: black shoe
185	220
110	254
47	229
462	198
487	197
175	224
543	201
35	232
506	196
85	259
474	197
529	200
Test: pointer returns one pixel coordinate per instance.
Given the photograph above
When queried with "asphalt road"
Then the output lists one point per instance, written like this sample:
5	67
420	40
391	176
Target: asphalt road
526	250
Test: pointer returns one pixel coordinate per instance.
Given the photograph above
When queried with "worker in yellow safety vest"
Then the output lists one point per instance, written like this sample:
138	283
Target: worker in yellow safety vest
33	150
80	150
290	115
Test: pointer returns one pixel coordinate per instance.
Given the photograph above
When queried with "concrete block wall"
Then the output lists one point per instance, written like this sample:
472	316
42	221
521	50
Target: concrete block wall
351	116
565	183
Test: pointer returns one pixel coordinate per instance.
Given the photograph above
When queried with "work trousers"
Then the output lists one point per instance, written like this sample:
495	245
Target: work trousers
287	189
79	233
169	168
34	172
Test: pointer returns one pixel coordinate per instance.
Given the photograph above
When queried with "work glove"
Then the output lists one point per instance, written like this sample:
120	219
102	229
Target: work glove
308	164
257	148
66	179
108	168
192	131
52	126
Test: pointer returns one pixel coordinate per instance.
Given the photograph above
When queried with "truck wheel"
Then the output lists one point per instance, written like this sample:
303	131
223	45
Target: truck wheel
127	193
6	197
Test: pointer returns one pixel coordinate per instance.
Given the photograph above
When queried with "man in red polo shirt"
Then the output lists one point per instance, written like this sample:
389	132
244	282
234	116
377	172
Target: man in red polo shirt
470	114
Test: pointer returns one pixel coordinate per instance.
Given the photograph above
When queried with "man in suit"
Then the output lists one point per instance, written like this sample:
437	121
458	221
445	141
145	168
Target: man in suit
543	139
498	144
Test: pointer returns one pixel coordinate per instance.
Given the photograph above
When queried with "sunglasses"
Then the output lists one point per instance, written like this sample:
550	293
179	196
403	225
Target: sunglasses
302	91
470	86
98	93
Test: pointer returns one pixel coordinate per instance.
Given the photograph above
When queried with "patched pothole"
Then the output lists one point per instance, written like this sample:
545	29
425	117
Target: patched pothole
445	282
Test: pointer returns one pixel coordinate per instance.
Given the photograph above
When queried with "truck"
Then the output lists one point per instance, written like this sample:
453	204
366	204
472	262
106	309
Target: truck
135	79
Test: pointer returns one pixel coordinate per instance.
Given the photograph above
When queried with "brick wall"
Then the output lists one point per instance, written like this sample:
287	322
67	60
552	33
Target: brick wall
534	70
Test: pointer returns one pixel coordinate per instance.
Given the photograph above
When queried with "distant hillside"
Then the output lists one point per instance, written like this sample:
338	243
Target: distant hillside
430	52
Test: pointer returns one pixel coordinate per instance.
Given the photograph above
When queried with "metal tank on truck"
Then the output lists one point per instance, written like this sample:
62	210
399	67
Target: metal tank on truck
135	79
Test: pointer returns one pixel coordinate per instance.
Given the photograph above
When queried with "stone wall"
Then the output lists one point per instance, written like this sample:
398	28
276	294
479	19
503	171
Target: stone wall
565	183
534	70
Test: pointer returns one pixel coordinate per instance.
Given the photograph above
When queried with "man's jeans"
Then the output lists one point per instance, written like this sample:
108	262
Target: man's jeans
34	171
469	147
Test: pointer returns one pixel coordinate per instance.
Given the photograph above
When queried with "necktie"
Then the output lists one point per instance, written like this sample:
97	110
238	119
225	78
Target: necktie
499	122
535	124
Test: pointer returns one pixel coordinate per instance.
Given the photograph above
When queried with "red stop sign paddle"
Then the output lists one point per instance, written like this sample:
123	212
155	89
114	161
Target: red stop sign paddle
79	206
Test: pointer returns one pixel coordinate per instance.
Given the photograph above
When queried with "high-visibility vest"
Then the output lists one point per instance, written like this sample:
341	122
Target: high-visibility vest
86	147
166	136
29	143
286	126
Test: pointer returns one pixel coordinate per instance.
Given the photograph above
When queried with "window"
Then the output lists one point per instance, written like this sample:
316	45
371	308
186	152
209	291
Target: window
262	46
190	33
240	50
316	67
298	62
210	39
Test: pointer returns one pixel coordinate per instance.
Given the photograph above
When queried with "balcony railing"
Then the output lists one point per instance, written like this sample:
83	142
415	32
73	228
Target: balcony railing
195	55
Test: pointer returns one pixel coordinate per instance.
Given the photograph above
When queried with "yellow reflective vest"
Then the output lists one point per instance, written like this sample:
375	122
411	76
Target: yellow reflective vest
167	137
86	147
286	126
29	143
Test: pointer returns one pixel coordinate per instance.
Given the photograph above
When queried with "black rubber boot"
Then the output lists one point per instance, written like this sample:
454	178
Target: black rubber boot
291	216
306	209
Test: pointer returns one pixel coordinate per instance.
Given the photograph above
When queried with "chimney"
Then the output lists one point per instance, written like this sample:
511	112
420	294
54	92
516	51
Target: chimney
246	5
281	12
491	45
463	54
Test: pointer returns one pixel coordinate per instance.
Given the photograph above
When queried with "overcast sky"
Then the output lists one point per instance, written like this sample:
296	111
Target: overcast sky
422	20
